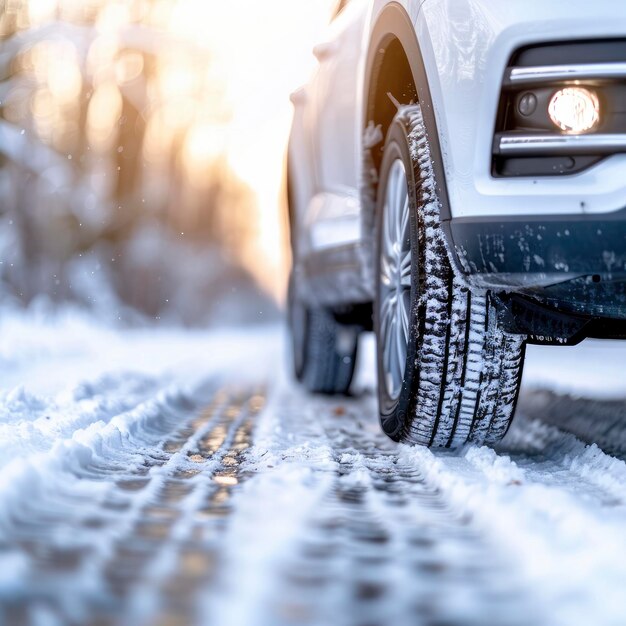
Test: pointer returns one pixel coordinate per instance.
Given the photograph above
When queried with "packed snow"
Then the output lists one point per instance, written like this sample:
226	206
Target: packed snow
179	476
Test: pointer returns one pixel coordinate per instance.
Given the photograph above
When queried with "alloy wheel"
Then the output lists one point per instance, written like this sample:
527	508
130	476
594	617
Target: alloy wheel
395	280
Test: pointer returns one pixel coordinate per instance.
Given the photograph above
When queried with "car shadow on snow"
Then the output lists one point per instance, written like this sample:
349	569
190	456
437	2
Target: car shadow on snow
599	421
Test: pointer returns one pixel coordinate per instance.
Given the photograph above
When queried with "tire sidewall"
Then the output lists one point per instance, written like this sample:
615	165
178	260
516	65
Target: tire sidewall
298	322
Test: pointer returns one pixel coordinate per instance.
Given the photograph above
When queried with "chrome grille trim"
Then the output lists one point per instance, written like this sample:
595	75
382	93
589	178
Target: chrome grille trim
512	145
525	76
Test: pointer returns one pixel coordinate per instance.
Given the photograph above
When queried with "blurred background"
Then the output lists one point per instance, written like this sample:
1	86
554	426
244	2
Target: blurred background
141	154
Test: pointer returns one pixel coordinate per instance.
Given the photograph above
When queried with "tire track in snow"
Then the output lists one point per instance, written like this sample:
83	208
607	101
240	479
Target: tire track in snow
339	525
120	525
375	533
31	425
556	506
161	511
595	420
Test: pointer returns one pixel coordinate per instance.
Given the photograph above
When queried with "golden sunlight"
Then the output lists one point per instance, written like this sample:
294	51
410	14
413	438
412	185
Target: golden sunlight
198	81
263	49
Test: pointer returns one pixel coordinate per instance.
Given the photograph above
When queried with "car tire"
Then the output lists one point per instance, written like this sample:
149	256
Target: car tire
324	351
448	374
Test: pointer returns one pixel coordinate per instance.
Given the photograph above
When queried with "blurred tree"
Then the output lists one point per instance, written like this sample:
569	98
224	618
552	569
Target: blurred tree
110	135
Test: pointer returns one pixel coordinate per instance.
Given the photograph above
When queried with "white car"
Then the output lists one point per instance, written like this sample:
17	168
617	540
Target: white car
457	183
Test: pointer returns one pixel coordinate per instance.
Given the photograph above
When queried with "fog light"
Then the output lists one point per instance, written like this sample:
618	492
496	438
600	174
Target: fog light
574	109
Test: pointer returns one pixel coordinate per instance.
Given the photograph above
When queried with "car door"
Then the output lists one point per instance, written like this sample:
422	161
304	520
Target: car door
333	213
335	94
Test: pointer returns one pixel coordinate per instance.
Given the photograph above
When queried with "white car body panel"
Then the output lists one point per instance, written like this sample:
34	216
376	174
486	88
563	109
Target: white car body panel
466	46
333	219
327	114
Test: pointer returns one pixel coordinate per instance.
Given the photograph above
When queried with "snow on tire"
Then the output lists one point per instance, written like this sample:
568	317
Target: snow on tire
462	372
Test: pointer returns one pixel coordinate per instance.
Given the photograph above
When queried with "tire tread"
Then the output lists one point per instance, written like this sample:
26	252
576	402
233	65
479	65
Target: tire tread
469	369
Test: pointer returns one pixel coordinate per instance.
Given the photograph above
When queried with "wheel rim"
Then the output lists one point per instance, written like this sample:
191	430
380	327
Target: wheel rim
395	280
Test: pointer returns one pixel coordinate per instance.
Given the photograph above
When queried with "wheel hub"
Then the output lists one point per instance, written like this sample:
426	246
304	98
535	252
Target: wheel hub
395	280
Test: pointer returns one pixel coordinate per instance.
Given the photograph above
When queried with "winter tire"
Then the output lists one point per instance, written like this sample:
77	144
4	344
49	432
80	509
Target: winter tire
447	373
324	351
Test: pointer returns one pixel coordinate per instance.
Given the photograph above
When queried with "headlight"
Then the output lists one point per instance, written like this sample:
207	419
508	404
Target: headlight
561	108
574	110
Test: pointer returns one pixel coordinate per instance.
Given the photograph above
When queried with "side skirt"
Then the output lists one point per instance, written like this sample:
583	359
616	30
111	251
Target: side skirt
335	277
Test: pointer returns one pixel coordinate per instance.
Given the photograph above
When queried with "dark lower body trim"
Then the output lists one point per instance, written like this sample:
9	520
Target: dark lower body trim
574	262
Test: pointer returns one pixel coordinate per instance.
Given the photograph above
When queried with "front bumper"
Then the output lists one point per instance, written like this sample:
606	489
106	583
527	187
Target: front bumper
577	262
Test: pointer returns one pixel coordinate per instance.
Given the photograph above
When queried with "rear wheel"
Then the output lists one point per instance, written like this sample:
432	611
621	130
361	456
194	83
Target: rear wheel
323	350
447	373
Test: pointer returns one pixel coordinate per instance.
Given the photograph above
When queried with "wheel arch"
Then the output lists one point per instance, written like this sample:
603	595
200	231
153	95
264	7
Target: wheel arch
395	64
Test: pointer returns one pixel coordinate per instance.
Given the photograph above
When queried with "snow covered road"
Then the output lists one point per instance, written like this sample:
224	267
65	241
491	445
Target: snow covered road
171	477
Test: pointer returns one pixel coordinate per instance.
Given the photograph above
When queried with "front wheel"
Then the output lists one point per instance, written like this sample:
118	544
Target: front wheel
447	373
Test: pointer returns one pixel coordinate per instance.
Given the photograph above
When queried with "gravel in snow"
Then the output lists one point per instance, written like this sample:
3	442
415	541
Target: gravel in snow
176	477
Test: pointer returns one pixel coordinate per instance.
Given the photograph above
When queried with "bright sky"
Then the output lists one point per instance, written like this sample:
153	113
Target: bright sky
262	52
